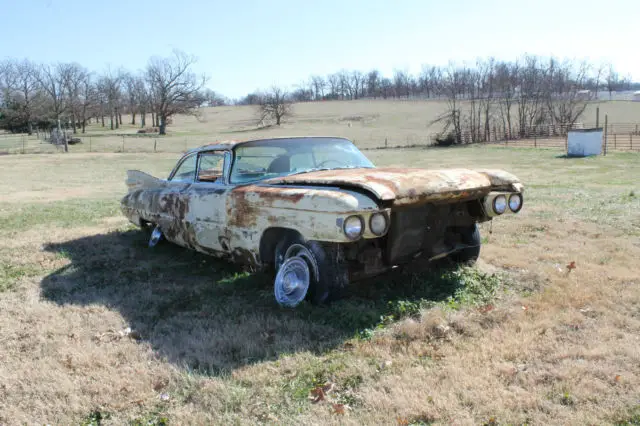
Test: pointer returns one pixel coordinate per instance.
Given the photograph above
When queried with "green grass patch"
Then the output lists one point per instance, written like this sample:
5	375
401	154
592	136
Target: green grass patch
10	274
63	214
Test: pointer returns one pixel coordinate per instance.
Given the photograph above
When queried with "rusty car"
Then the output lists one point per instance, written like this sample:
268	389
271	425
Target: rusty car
316	211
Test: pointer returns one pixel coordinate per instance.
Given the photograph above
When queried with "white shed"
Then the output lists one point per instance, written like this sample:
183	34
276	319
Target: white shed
636	96
584	95
584	142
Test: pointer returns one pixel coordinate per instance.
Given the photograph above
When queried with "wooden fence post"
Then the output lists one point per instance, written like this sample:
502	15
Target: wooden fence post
123	144
155	143
605	134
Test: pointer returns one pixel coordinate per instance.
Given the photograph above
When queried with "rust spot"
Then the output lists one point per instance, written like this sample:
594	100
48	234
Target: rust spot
241	212
175	205
398	184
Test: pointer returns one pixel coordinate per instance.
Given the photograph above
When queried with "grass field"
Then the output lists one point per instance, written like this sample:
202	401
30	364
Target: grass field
97	329
368	123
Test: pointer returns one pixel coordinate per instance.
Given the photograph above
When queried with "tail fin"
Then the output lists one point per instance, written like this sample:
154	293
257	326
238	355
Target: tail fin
138	180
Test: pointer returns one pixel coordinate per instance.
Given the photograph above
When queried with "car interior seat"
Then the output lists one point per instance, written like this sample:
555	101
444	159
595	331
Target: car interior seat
281	164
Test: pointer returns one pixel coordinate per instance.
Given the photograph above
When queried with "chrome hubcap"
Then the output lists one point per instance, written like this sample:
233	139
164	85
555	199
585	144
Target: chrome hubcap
292	282
156	236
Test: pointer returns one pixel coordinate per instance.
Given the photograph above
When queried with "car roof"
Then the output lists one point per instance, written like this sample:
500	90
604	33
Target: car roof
230	144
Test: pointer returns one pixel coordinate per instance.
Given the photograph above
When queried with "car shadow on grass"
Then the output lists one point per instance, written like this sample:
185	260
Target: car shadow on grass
209	316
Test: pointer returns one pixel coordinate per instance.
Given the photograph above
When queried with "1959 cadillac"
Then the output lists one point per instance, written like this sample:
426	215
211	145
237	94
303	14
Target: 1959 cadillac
317	211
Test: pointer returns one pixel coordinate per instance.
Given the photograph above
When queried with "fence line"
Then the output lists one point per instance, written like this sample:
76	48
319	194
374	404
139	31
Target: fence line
620	137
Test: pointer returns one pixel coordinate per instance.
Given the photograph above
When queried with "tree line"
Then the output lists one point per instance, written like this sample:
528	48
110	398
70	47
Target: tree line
511	99
42	95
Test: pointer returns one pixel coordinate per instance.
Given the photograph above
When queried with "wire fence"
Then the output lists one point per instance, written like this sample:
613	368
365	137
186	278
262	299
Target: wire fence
619	136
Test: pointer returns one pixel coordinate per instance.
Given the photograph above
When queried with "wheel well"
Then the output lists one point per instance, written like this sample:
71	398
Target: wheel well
270	238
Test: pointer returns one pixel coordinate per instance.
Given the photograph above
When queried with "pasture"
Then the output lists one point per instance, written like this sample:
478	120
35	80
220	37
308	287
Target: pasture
97	328
368	123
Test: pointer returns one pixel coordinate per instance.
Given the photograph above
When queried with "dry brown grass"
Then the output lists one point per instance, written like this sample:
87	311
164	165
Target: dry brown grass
209	346
368	123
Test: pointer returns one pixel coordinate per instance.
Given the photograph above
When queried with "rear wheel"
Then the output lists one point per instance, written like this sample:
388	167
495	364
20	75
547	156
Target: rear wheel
321	280
471	237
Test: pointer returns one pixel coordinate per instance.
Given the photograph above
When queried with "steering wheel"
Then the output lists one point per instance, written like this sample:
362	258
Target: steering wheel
330	160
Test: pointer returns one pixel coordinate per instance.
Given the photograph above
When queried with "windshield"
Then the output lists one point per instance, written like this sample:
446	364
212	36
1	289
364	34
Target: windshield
266	159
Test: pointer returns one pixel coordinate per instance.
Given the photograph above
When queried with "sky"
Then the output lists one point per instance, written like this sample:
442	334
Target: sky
245	45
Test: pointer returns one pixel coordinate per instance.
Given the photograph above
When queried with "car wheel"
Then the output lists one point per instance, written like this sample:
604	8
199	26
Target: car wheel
321	280
156	236
471	237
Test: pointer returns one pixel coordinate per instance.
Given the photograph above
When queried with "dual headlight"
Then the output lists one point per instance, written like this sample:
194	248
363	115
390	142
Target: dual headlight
354	225
514	202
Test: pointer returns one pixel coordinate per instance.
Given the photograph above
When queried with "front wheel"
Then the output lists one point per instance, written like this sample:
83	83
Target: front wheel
307	270
471	238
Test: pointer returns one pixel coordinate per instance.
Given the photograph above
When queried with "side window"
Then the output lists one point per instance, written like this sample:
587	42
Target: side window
187	170
211	167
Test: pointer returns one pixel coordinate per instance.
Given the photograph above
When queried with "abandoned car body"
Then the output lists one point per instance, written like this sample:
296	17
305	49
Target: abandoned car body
316	210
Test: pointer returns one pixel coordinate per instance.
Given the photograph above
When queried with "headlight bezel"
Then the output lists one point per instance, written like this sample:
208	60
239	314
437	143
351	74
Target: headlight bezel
386	223
494	203
362	226
516	195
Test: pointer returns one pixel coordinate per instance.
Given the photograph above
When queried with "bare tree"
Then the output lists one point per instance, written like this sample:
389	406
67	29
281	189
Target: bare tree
333	81
72	76
373	83
275	105
21	86
88	99
506	82
131	96
110	85
52	82
563	103
401	83
143	97
318	86
612	80
357	78
175	87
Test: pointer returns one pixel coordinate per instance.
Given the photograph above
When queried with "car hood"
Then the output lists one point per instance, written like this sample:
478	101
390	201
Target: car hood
409	185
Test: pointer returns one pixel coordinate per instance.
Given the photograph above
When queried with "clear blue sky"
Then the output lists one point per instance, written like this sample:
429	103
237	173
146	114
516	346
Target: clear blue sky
245	45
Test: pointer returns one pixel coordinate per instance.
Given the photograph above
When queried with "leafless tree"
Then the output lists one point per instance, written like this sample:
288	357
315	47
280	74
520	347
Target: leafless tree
174	85
612	80
506	82
110	84
275	105
345	88
402	83
131	96
530	97
453	82
564	105
333	81
88	99
357	78
373	83
73	76
319	85
52	83
22	86
143	97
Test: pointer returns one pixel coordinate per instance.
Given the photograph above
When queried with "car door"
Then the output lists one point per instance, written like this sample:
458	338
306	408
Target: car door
207	214
172	202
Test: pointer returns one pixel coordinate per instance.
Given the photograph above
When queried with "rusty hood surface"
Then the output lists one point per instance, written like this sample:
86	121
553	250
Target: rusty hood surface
409	185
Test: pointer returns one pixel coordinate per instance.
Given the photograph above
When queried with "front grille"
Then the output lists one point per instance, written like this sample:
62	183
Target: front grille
423	228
